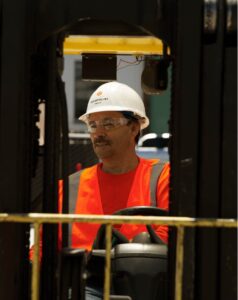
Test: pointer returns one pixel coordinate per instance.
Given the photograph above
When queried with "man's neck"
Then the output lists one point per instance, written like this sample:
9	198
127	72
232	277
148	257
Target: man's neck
120	167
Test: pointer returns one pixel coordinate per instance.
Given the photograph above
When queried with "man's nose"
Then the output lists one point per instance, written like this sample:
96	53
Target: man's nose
99	131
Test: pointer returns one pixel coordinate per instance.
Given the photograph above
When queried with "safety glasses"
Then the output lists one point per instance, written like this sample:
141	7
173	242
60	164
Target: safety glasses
106	124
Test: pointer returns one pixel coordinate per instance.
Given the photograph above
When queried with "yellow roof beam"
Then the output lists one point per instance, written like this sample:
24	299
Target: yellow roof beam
146	45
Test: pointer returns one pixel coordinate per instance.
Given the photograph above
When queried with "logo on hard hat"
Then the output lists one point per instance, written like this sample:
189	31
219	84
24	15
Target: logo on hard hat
99	93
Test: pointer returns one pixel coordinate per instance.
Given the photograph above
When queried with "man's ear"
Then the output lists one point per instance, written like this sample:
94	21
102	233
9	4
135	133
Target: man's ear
135	128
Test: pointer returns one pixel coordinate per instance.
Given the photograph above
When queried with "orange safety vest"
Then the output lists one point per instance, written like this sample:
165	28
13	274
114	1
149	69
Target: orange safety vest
89	202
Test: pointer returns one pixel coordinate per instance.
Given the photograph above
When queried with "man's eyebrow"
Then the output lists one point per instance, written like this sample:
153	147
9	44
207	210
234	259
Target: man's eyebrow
104	119
107	119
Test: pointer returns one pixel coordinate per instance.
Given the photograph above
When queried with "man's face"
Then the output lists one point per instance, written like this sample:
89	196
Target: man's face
112	135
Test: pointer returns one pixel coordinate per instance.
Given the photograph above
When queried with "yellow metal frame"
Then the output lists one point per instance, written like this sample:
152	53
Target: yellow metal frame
146	45
180	222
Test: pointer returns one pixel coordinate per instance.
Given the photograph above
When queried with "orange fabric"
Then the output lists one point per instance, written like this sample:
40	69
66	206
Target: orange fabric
89	202
60	195
60	206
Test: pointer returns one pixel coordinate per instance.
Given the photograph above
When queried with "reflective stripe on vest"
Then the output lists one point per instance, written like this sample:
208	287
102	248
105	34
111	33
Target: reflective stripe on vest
154	178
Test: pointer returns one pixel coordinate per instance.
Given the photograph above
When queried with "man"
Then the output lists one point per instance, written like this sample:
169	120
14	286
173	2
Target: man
115	117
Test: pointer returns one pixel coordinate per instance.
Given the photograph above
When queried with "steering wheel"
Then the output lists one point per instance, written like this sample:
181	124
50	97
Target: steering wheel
119	238
142	210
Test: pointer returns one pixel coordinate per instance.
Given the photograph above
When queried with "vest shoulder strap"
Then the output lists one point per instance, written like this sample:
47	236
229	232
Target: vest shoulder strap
73	190
154	178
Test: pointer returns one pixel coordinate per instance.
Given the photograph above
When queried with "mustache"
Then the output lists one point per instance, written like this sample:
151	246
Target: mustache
101	139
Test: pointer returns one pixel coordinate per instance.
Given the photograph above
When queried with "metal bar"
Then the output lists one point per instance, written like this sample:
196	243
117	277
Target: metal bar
51	172
108	262
36	264
179	264
179	222
100	219
146	45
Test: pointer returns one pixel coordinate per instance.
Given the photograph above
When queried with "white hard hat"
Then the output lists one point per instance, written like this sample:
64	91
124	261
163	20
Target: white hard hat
116	96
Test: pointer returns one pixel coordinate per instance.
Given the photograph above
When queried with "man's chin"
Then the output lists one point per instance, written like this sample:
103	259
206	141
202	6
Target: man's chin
103	154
